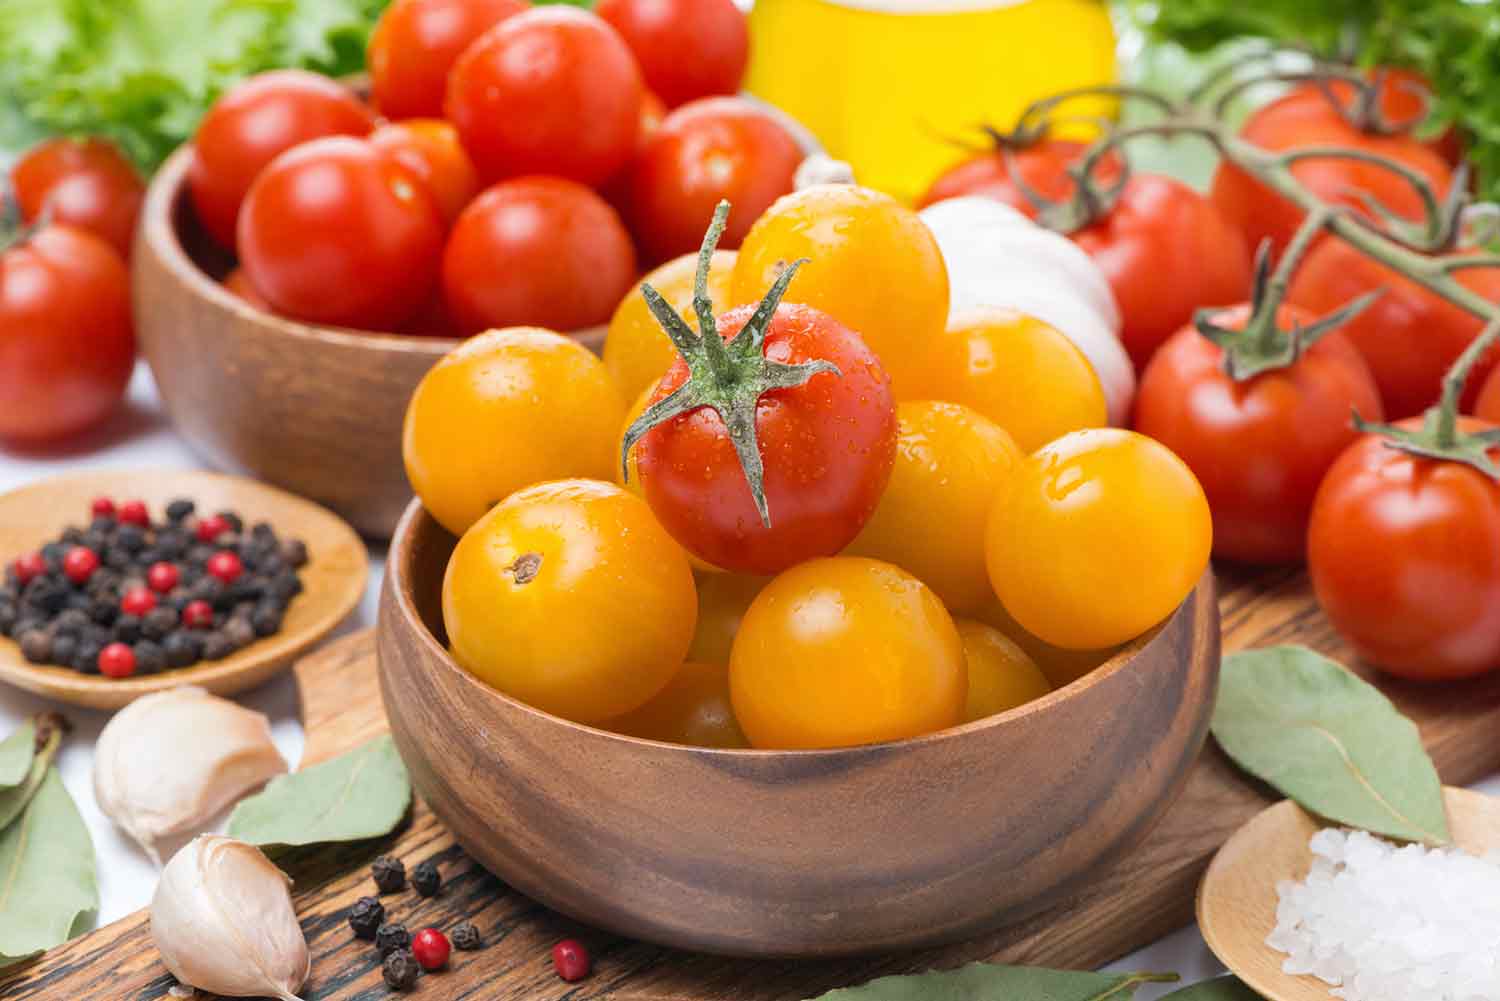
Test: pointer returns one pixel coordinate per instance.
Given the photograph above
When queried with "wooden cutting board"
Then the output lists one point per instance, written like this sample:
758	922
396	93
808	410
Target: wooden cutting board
1148	894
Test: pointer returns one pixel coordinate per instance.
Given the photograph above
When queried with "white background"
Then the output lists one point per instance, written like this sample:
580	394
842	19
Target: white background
140	438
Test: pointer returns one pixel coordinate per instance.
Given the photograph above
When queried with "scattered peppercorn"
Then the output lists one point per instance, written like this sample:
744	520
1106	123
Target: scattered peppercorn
366	917
400	970
426	879
389	874
571	960
431	949
466	937
391	938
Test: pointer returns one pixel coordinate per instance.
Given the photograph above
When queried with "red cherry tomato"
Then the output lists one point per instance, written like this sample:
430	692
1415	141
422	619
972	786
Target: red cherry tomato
828	446
703	153
337	232
1306	118
537	251
687	48
86	183
66	343
415	44
551	91
1166	252
256	122
1259	447
1409	336
1404	555
1041	167
430	149
238	283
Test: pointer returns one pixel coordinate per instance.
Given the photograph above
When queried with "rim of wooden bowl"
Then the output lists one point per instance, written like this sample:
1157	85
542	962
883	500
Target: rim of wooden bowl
335	577
401	589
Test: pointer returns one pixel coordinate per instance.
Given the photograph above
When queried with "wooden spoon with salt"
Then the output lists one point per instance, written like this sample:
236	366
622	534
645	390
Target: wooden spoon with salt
1237	898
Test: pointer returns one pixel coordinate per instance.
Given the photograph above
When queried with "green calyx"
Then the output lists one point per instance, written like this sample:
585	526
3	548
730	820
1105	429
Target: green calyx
1439	437
727	377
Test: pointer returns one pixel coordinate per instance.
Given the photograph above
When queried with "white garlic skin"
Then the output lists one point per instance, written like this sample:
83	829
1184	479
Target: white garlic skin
169	763
223	922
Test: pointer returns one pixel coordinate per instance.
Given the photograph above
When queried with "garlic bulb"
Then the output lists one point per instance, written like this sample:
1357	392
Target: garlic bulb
168	764
223	922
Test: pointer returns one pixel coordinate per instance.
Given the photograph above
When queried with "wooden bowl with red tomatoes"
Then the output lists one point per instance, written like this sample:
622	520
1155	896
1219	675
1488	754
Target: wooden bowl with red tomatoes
796	853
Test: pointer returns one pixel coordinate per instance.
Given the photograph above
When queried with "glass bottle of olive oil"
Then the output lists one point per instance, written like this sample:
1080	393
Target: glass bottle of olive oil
896	86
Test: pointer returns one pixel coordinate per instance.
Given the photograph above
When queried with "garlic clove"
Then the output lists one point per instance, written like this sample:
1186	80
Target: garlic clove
169	763
223	922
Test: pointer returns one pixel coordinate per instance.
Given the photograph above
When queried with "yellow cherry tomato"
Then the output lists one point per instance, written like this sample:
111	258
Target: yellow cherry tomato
931	520
693	709
502	411
1062	667
843	651
636	350
570	597
873	265
1001	675
1019	372
723	599
1097	537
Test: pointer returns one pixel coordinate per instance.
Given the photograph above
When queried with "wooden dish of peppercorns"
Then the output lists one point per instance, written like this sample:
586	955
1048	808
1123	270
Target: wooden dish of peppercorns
176	577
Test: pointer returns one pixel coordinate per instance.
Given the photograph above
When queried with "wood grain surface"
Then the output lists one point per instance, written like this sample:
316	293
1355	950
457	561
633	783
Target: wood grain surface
1146	895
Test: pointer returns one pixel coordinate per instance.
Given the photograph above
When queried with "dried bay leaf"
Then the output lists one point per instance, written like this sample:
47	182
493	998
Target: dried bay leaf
16	752
358	795
1220	989
48	886
988	982
49	729
1330	741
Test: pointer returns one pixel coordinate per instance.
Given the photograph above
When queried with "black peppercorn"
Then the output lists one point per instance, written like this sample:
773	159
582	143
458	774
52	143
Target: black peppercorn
178	510
180	648
103	611
64	649
9	614
426	879
389	874
117	559
265	620
149	658
53	552
171	543
366	917
466	937
239	633
49	595
36	646
234	521
87	657
216	646
294	551
400	970
26	621
200	554
130	538
127	628
158	622
71	536
392	938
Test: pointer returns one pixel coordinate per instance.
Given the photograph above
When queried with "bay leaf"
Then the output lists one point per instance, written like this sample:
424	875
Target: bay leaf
361	794
16	752
1330	741
989	982
13	799
1220	989
48	885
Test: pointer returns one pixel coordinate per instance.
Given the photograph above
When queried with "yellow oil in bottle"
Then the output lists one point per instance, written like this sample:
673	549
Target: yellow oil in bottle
896	86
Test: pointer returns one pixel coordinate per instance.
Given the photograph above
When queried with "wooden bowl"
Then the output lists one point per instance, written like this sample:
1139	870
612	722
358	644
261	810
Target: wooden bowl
317	410
794	853
333	580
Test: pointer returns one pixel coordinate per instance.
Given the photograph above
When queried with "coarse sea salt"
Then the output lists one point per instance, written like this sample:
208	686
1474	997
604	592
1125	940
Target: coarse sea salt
1381	922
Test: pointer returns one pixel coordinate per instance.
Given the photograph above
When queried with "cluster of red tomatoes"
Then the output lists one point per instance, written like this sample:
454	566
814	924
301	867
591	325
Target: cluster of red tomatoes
68	346
1401	549
815	527
513	165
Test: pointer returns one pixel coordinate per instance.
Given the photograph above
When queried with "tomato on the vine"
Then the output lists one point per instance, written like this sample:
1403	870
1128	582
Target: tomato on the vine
430	149
252	124
637	351
845	651
415	44
1305	117
704	153
1409	336
66	343
86	183
1261	446
1167	251
1404	555
1006	175
552	91
537	250
687	48
337	232
1097	537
